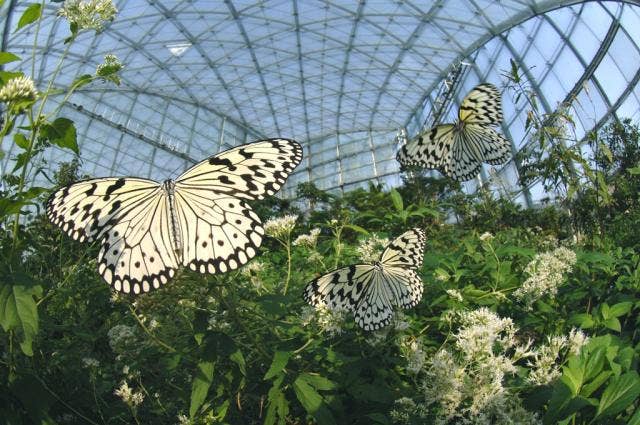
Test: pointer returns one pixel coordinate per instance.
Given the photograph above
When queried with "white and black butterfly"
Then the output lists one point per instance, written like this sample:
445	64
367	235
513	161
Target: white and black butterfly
371	290
201	220
458	150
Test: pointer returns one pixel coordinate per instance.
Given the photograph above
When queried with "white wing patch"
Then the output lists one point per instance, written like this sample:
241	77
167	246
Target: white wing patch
458	150
146	230
371	291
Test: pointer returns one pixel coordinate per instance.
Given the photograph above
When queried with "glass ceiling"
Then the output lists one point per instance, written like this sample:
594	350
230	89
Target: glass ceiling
340	77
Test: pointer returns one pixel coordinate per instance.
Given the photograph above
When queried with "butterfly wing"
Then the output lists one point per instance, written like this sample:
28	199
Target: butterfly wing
131	219
219	230
341	288
406	251
482	106
430	149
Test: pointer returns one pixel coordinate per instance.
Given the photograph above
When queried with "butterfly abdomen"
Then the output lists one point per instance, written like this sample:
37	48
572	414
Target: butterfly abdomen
176	237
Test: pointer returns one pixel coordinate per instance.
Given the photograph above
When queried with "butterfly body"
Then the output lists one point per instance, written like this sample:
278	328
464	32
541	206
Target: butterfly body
459	149
371	290
201	220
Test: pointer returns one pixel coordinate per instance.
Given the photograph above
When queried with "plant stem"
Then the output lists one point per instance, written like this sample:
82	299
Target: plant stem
148	332
287	246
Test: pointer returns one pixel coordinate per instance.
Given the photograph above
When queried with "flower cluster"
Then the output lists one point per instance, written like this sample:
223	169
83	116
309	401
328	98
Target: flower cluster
309	240
466	381
280	228
546	273
92	14
486	236
370	248
330	321
251	271
131	398
545	359
18	92
455	294
121	337
108	70
411	349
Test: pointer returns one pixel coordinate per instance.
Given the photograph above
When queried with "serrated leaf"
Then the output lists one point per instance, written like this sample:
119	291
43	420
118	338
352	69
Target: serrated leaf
280	360
318	382
30	15
620	394
6	57
200	385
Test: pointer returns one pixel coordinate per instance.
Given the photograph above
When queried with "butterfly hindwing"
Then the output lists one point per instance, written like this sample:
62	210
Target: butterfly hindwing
218	233
138	254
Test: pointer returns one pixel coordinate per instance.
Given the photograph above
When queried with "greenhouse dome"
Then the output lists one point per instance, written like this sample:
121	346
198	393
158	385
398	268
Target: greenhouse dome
341	78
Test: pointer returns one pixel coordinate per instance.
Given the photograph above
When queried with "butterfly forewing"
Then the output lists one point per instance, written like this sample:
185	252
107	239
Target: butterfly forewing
248	172
429	149
407	250
482	106
341	288
86	209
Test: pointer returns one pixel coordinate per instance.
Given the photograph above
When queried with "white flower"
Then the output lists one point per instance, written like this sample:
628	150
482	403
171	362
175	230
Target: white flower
309	240
132	399
17	90
90	362
329	320
121	337
183	419
546	272
455	294
252	268
576	340
92	14
486	236
109	69
370	248
544	362
411	349
280	228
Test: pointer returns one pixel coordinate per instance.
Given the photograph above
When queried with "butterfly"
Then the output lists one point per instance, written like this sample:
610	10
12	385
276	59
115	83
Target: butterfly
458	150
201	220
371	290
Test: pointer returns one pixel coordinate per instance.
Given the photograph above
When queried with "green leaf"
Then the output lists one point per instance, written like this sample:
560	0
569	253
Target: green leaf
200	385
573	376
591	387
19	312
357	228
312	402
594	362
277	404
30	15
619	395
620	309
238	359
6	57
396	198
634	171
82	80
20	140
635	419
61	132
613	324
280	360
318	382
